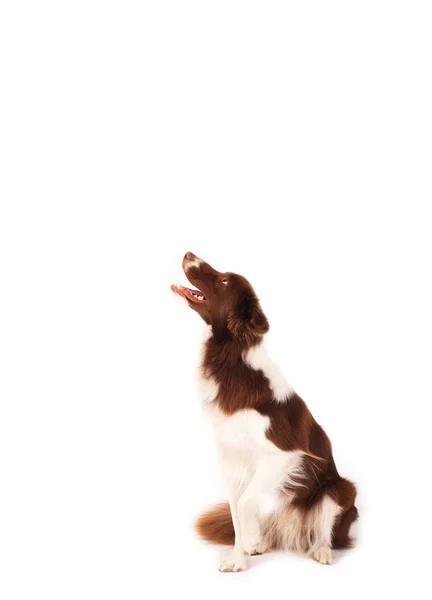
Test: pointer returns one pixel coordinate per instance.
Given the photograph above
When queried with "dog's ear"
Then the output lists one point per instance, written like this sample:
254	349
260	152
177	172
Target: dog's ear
247	320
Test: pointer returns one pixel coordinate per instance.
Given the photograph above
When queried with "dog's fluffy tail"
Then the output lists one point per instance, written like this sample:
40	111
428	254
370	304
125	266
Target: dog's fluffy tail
216	526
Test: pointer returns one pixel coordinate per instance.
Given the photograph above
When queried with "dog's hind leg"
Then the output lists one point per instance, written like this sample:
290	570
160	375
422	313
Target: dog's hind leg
329	521
320	523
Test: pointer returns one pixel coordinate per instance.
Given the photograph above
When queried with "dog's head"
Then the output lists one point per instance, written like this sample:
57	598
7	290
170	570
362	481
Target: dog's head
226	301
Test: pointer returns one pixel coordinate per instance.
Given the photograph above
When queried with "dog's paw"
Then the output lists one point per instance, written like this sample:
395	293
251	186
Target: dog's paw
253	547
233	563
323	555
251	538
258	548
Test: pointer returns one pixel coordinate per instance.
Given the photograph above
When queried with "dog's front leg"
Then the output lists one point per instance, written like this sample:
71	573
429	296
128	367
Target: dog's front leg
237	477
267	477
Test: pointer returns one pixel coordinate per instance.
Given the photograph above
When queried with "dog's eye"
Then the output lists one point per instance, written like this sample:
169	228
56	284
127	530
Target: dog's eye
225	281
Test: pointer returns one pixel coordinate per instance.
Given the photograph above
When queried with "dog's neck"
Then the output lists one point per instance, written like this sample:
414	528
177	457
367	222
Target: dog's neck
257	377
219	335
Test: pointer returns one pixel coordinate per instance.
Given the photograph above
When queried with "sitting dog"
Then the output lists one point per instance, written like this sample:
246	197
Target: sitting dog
267	439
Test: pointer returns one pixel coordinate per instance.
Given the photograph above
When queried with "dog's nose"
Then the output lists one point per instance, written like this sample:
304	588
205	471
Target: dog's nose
191	260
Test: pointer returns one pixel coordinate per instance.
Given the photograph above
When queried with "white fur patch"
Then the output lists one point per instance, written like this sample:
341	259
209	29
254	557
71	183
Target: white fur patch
258	359
244	431
206	335
208	389
196	262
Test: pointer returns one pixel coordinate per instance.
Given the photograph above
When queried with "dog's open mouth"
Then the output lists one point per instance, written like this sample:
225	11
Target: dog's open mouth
189	294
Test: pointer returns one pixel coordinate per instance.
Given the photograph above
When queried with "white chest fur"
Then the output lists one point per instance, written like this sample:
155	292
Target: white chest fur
244	431
244	449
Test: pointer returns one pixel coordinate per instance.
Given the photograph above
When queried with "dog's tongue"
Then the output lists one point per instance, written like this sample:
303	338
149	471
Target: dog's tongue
179	289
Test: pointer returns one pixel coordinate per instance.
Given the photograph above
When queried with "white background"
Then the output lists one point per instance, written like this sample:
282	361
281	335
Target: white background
290	142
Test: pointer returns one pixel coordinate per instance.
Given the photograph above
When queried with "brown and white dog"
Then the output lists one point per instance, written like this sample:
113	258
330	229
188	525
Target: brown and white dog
268	442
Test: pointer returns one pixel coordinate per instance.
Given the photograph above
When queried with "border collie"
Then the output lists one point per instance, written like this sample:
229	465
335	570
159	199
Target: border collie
268	442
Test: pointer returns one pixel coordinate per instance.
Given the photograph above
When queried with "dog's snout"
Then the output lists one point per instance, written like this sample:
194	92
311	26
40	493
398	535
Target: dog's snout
191	260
